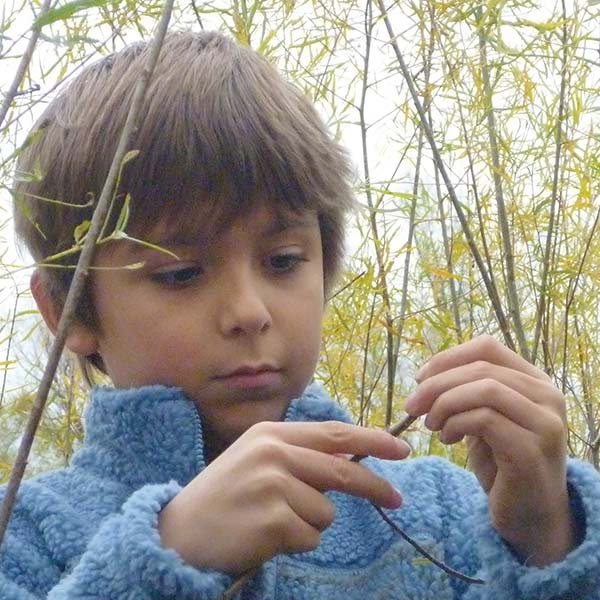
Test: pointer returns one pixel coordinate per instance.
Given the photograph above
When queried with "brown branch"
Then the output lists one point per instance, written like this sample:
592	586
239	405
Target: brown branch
471	163
438	563
365	361
511	288
410	236
345	287
377	240
439	163
83	265
197	13
13	90
573	284
11	334
588	408
440	199
396	431
541	309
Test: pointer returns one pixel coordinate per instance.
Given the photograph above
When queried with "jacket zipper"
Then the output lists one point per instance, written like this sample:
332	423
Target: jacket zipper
198	440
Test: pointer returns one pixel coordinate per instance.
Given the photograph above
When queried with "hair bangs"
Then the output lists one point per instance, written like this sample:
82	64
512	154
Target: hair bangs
214	142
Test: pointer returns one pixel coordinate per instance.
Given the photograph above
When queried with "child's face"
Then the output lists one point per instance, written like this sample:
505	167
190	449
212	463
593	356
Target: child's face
249	299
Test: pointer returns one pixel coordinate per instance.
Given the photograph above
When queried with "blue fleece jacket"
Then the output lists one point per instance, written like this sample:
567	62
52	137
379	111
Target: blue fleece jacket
90	531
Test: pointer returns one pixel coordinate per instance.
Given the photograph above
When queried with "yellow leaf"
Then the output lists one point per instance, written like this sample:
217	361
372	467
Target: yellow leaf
440	273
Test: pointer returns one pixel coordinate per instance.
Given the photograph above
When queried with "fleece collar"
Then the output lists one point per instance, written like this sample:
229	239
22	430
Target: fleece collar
154	434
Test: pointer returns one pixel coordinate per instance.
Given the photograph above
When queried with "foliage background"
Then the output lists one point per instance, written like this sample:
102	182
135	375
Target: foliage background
509	90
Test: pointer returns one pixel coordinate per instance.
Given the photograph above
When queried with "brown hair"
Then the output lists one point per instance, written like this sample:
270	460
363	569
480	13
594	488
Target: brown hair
220	130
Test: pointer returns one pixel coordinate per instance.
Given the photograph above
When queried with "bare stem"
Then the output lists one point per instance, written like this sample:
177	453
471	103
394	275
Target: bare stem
541	308
377	240
83	265
439	163
13	90
395	430
511	286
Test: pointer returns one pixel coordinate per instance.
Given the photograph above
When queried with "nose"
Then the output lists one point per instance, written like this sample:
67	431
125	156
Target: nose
243	307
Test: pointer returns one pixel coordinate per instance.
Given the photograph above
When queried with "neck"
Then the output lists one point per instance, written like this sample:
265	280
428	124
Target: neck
221	430
215	441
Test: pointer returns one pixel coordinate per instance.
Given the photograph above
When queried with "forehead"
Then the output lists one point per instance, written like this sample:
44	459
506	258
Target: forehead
265	220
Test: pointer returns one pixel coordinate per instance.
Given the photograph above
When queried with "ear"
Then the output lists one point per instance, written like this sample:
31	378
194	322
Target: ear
81	339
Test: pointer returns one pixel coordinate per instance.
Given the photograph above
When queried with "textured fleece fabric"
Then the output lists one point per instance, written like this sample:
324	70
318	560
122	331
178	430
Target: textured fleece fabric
90	531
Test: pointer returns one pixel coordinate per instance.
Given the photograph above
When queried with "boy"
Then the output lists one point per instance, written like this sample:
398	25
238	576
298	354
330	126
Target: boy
211	456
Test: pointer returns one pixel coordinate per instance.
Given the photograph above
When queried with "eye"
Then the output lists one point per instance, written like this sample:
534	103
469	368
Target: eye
178	277
286	262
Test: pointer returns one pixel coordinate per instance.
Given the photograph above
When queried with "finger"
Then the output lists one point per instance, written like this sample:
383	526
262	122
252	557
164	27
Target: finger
491	394
493	377
484	348
335	437
309	504
328	472
512	446
481	461
297	535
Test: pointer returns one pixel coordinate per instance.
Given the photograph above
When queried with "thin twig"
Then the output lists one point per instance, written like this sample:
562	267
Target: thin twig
439	163
425	553
512	296
395	430
377	238
410	236
83	265
560	124
13	90
8	347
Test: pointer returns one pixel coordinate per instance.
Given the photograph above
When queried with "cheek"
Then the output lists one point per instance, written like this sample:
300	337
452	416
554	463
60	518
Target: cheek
306	320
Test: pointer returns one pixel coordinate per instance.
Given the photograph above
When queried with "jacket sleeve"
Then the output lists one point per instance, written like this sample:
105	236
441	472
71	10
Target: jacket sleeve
577	576
506	576
123	560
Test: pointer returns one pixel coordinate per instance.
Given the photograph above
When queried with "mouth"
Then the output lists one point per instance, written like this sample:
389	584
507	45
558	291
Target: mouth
250	376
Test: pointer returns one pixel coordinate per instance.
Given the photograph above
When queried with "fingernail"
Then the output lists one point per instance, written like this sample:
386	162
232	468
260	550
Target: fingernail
403	446
428	421
397	500
411	402
420	375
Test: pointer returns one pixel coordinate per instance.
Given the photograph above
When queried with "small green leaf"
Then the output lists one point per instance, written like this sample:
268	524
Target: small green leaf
81	230
64	12
123	215
121	235
129	156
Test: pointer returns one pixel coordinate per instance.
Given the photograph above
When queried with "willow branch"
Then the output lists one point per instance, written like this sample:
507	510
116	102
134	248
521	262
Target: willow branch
439	163
571	291
11	334
13	90
363	379
471	163
555	176
509	261
395	430
440	199
83	265
411	231
377	240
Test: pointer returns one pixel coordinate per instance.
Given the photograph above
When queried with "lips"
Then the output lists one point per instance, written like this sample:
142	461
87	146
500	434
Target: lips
248	370
250	377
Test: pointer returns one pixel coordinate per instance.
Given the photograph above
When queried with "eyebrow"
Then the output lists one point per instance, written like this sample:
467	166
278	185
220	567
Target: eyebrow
179	239
282	223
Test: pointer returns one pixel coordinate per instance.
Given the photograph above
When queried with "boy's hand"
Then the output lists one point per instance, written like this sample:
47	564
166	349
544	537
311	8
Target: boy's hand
263	495
515	423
